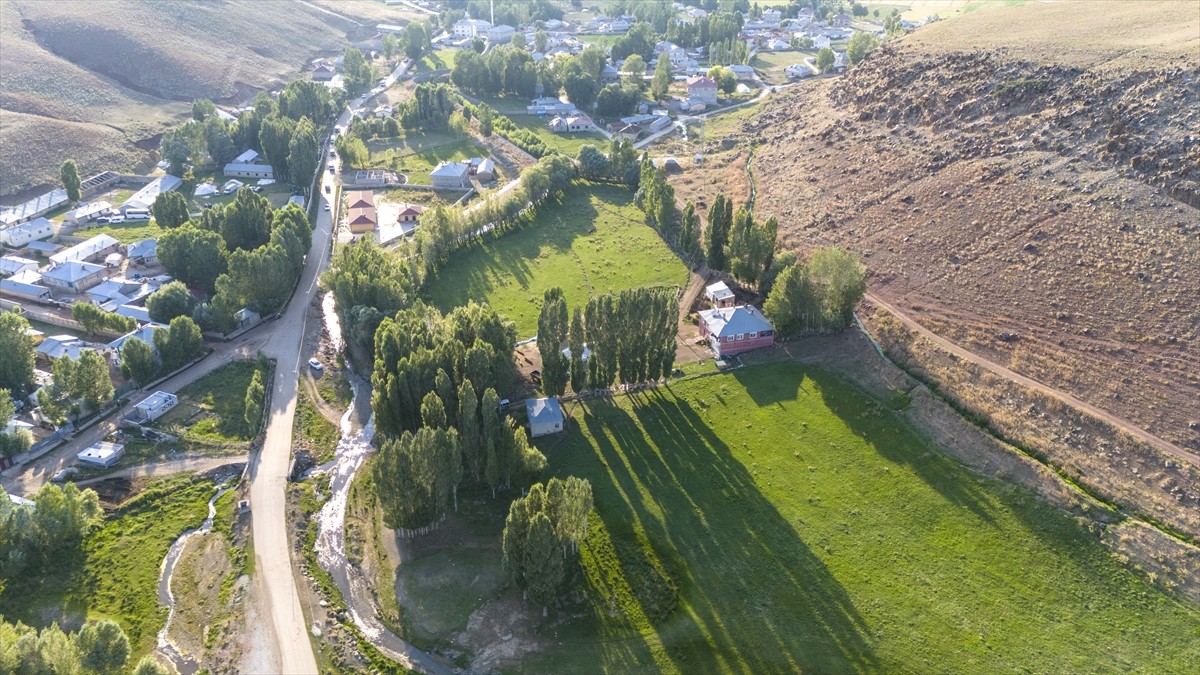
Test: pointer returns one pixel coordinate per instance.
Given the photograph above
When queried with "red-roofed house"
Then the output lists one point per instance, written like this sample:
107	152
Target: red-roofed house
702	89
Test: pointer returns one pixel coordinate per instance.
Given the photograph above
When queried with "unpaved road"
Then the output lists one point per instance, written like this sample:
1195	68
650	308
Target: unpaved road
1073	401
190	465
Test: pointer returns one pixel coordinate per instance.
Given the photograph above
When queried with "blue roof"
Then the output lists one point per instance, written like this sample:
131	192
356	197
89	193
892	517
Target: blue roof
543	410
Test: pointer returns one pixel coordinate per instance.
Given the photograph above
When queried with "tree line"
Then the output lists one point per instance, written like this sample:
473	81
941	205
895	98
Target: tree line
542	534
630	337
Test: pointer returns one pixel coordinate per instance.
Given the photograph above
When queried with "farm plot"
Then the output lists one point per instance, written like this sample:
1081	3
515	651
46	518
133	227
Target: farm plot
594	242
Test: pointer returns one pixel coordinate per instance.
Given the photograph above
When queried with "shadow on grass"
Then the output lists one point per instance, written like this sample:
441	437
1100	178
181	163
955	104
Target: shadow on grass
753	596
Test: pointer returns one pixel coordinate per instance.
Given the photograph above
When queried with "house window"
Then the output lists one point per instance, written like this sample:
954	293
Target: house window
767	333
728	338
741	336
753	335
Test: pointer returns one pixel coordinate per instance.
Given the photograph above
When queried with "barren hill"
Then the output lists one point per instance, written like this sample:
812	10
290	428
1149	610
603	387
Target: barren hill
93	81
1024	182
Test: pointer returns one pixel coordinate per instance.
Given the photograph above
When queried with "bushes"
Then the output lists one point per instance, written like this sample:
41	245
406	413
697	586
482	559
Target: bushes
522	138
95	320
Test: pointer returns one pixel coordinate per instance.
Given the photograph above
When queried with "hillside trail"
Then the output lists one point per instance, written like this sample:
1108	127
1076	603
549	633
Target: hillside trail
1073	401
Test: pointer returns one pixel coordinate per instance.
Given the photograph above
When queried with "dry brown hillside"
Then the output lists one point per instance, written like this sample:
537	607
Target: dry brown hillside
1030	172
94	80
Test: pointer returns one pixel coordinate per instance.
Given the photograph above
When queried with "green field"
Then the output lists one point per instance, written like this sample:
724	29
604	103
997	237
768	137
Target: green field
770	65
115	574
212	409
439	59
568	144
416	153
808	528
313	431
126	233
594	242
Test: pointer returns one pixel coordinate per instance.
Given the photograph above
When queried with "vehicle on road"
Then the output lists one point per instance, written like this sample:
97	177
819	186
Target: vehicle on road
327	207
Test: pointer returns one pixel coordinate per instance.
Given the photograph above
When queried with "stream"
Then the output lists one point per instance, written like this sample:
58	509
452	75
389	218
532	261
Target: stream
352	449
185	665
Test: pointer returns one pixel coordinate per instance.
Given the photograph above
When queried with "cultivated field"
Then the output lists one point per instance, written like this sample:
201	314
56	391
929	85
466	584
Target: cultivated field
594	242
416	153
807	527
101	85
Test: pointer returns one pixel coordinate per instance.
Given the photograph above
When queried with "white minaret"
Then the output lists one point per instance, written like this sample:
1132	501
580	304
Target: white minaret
492	5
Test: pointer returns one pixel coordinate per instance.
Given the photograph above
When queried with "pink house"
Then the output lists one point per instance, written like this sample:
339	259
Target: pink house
733	330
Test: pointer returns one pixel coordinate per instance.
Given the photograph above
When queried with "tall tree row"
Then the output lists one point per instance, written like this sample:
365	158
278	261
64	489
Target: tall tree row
817	295
552	336
542	532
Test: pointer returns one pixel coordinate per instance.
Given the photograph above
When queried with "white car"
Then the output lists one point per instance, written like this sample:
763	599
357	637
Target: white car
315	365
327	207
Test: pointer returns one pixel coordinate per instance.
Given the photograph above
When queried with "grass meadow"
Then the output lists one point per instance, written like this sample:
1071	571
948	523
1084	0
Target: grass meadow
115	573
594	242
807	528
213	408
771	65
417	153
568	144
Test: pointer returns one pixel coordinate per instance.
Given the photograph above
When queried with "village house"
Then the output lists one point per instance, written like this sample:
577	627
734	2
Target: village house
483	169
11	264
545	416
409	213
719	295
95	248
25	285
74	276
361	215
144	252
742	72
86	213
469	28
734	330
154	406
103	454
20	235
246	165
571	124
841	20
502	34
451	175
56	347
323	73
702	90
143	199
144	333
772	16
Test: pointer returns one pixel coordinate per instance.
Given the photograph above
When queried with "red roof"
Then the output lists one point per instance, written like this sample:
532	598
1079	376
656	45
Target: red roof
702	81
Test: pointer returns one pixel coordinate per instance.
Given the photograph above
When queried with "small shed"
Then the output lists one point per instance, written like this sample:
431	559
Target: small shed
719	295
155	406
103	454
545	416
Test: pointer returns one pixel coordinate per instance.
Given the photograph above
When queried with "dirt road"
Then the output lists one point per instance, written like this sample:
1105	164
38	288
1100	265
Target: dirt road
190	465
971	357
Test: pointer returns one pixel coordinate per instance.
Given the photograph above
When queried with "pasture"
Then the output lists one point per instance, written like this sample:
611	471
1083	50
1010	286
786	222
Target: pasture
808	528
594	242
417	153
568	144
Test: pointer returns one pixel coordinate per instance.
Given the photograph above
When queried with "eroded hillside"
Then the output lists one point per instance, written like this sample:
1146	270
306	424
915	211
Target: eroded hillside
1034	200
119	72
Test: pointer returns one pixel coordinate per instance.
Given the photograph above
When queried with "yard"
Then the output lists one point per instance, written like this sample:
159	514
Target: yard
770	65
115	574
568	144
417	153
438	59
126	233
808	528
212	410
594	242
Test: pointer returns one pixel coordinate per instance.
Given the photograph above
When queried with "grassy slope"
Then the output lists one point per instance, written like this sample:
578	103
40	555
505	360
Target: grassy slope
594	242
440	59
808	529
222	393
115	576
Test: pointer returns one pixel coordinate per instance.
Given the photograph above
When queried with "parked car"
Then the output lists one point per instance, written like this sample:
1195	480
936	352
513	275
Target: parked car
315	365
326	207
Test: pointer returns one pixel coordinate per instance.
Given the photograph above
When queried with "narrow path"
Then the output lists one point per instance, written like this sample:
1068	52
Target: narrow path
190	465
1071	400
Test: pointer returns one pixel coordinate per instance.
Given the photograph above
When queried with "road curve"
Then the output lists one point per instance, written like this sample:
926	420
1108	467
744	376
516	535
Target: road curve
1071	400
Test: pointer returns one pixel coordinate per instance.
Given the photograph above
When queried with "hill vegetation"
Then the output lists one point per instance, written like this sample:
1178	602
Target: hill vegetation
100	85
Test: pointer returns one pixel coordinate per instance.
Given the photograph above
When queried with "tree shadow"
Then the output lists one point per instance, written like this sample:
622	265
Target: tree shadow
753	596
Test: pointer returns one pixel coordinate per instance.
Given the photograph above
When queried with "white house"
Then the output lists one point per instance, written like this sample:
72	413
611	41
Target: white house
20	235
95	248
143	199
103	454
454	175
469	28
719	295
821	42
88	212
11	264
545	416
772	16
702	89
112	293
155	406
571	124
797	71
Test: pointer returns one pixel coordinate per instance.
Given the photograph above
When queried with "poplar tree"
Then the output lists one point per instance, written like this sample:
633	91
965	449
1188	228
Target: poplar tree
552	333
469	429
575	341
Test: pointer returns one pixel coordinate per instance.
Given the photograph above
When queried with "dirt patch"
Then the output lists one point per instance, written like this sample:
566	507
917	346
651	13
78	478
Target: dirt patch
500	634
197	582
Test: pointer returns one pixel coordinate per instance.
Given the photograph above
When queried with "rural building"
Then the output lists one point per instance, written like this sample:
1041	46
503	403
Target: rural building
103	454
797	71
86	213
551	106
74	276
20	235
719	295
143	199
95	248
498	35
409	213
11	264
361	215
571	124
733	330
841	20
452	175
322	73
25	285
155	406
545	416
702	89
135	312
482	168
38	206
112	293
43	248
469	28
742	72
772	16
144	333
144	252
56	347
609	75
246	165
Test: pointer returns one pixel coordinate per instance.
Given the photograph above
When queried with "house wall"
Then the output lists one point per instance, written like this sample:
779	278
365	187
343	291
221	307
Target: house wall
80	284
544	428
740	346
